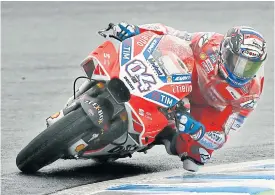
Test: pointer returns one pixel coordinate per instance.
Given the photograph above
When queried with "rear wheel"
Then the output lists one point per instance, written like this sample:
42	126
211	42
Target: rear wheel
49	145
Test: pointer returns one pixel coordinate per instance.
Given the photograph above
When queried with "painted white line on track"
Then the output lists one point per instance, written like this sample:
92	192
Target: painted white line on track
235	178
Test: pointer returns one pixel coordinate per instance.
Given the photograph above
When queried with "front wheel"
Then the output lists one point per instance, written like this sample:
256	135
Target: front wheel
49	145
103	160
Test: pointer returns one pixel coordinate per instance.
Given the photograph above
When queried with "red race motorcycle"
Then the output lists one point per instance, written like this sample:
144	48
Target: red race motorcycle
124	107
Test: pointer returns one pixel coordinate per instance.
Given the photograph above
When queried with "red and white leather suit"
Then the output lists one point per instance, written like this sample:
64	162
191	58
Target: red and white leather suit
213	102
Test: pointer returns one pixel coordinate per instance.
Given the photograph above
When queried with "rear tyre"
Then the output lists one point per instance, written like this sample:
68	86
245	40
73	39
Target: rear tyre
49	145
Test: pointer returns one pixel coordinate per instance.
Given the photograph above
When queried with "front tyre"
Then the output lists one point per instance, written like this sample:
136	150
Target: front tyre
50	144
103	160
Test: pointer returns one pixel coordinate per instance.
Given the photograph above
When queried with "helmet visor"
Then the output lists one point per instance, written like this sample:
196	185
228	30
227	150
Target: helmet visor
239	65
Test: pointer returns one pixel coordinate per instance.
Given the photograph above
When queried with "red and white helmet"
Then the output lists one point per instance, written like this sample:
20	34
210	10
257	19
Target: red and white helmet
242	53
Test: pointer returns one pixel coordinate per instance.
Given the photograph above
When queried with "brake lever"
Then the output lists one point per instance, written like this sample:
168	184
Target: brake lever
102	32
110	27
168	113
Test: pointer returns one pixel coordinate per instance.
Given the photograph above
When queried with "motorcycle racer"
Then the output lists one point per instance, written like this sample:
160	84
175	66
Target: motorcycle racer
227	83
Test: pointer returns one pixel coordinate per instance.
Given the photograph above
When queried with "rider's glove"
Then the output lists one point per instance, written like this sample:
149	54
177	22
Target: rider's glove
124	30
187	124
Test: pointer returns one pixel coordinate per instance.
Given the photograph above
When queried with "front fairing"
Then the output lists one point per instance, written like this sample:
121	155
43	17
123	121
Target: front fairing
157	71
157	68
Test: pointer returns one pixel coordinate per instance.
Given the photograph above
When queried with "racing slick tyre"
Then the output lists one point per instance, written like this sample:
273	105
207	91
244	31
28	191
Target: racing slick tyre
50	144
103	160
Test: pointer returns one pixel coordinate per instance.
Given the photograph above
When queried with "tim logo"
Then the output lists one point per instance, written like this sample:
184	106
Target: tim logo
138	70
126	51
162	98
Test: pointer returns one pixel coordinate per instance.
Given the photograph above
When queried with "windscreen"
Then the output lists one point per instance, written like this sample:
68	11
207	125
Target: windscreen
173	56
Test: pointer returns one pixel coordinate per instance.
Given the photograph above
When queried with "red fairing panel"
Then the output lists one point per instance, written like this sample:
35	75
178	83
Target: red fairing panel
148	120
105	60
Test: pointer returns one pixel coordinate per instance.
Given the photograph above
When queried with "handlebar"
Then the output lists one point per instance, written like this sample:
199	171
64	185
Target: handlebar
110	27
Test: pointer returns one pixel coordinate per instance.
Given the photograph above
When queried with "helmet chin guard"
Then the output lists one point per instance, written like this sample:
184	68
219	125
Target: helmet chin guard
231	79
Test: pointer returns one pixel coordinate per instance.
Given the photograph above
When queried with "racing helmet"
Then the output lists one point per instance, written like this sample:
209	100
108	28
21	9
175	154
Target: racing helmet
242	53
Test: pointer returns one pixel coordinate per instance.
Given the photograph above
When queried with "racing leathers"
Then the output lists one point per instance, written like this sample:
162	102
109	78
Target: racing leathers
220	107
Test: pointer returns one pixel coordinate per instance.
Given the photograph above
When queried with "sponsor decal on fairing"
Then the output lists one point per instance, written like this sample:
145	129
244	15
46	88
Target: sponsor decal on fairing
151	47
55	115
126	51
124	148
98	109
155	66
182	88
106	57
77	147
162	98
184	78
147	115
140	76
94	136
141	112
144	38
129	82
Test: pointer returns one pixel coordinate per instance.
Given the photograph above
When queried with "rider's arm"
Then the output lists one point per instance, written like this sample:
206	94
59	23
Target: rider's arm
217	124
158	29
162	29
124	30
216	136
237	119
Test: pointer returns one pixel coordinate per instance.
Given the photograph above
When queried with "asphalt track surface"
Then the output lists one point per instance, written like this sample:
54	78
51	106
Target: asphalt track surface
42	46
